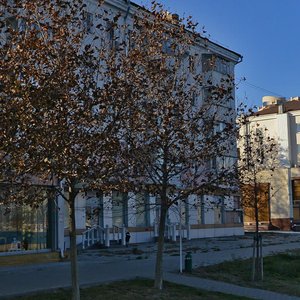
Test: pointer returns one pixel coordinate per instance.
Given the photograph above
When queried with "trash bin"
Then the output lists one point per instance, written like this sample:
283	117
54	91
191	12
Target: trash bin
188	262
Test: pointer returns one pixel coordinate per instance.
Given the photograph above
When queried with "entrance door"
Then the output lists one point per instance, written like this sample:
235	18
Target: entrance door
296	200
263	195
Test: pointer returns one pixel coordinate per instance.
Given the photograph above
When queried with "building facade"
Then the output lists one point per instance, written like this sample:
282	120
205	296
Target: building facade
281	118
106	216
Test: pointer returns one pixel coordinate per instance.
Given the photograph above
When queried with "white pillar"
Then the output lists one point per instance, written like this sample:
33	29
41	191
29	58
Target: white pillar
155	226
174	232
123	235
188	231
60	226
83	241
107	240
93	236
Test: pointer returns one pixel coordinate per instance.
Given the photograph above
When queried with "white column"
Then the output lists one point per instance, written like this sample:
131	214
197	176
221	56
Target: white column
61	224
188	231
124	235
283	131
107	237
107	210
174	232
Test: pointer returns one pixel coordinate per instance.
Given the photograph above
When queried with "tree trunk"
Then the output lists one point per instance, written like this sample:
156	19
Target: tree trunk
257	265
73	249
158	282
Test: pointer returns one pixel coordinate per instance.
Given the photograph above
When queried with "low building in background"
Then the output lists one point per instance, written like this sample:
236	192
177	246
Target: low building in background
280	189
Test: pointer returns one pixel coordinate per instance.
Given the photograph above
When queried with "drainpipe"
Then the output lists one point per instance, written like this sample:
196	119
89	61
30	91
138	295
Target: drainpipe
128	9
125	21
240	59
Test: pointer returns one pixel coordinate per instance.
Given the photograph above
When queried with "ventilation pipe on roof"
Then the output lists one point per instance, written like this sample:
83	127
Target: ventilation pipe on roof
295	98
269	100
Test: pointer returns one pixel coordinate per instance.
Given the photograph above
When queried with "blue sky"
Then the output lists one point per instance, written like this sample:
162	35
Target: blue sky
265	32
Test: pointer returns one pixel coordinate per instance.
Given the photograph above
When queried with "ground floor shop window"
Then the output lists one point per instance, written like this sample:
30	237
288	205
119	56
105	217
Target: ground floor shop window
296	199
142	210
24	227
200	210
119	209
94	210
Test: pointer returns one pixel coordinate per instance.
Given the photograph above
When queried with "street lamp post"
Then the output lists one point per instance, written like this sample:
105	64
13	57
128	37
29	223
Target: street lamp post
180	239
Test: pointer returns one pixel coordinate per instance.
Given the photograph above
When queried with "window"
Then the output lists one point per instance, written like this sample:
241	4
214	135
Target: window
219	211
213	163
236	202
296	191
219	127
94	210
110	36
24	223
259	139
187	212
130	40
206	94
296	199
194	98
157	208
211	62
88	22
142	210
298	154
23	26
225	162
119	209
12	23
192	64
200	211
167	47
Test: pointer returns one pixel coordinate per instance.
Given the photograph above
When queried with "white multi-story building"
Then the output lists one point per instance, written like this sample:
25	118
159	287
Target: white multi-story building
109	214
281	118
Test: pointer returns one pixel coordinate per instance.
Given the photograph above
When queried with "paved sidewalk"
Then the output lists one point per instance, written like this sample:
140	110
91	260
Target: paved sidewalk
97	269
227	288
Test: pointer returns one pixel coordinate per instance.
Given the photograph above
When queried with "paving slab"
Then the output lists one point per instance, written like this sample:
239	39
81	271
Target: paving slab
227	288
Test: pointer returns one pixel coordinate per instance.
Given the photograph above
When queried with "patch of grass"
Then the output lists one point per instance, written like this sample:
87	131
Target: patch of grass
281	273
138	289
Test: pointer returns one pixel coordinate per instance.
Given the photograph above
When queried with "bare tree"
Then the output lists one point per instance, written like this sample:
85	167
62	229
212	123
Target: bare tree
258	160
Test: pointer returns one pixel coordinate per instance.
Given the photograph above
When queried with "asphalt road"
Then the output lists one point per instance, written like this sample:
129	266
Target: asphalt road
118	264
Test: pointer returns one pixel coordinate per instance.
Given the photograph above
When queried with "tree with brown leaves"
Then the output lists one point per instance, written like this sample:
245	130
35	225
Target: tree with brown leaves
180	142
60	112
108	104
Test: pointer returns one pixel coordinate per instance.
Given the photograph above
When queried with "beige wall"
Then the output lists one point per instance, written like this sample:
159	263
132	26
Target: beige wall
279	192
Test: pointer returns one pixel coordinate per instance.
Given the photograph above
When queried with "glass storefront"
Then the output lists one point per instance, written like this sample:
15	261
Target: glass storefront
24	227
142	210
119	209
